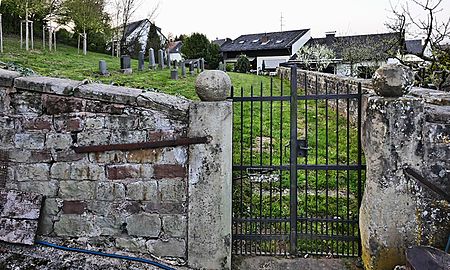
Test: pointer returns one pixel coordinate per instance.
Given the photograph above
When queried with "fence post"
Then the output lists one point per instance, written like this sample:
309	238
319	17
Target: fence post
210	174
293	162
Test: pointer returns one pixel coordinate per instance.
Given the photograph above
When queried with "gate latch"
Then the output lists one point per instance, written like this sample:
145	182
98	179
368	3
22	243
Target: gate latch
302	148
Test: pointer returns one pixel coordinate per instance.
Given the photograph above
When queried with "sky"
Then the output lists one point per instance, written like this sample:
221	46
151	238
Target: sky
232	18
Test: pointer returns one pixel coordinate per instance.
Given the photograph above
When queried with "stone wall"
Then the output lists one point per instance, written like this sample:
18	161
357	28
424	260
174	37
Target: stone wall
398	211
121	200
312	83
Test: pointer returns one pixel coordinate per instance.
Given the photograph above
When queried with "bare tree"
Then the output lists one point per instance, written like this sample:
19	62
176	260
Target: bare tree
428	24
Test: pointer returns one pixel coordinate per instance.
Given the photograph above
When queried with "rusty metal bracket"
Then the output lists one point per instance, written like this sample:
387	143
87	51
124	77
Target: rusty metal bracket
142	145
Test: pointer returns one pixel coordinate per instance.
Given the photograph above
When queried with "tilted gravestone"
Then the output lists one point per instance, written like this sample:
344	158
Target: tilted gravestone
161	58
102	67
141	61
151	59
125	64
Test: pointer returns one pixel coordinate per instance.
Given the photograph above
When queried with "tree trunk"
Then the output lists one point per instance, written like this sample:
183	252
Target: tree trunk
84	42
26	28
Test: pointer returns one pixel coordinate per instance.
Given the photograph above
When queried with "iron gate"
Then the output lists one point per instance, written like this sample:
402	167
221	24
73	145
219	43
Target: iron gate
297	169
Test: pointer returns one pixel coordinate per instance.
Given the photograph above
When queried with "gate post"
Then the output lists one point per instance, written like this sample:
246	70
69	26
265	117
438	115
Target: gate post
210	174
293	162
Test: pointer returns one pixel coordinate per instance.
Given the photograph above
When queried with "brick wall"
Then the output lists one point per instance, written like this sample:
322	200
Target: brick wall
125	200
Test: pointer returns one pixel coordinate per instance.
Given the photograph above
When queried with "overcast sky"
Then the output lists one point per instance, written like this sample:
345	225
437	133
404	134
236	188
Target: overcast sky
232	18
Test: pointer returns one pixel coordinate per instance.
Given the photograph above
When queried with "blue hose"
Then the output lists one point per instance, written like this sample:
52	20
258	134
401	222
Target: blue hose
162	266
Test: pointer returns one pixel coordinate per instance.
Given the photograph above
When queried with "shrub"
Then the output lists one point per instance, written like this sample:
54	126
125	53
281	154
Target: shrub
243	64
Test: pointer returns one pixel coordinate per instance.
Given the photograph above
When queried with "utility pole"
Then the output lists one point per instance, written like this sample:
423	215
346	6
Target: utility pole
281	22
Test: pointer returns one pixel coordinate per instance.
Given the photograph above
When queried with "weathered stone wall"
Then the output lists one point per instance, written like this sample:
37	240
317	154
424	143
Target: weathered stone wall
125	200
397	211
312	83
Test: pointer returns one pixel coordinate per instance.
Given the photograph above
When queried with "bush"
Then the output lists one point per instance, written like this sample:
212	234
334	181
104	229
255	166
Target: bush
243	64
229	67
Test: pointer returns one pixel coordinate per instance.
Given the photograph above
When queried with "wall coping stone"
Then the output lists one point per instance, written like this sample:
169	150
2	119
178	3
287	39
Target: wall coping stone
95	91
7	77
431	96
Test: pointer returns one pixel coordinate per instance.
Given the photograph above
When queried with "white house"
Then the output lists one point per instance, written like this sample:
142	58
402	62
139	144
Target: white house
138	31
174	48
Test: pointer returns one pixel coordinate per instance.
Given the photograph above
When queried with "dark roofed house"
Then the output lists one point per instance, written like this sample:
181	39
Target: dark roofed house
271	48
222	41
138	31
174	48
414	46
357	55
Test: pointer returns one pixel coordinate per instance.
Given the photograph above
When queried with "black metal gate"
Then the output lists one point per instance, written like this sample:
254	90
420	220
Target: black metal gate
297	169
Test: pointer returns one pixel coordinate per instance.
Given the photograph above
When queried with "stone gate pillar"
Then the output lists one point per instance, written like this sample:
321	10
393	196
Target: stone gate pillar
210	174
395	137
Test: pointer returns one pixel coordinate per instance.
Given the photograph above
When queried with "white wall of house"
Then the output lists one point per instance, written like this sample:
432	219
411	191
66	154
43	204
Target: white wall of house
300	42
142	30
270	61
175	56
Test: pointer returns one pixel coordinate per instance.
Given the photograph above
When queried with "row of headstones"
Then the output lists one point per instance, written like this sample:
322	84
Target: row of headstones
125	64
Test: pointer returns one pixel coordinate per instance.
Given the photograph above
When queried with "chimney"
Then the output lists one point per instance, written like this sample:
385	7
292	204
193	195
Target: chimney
329	37
264	38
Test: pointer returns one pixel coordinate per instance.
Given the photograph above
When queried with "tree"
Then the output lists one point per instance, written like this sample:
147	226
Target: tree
243	64
153	39
430	25
87	15
316	56
195	46
198	46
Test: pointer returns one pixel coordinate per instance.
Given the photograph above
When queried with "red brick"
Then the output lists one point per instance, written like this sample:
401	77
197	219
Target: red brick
74	207
125	171
37	124
168	171
59	105
102	107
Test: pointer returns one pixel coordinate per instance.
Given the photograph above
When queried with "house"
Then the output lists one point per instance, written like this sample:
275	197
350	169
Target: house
220	42
136	34
268	48
357	55
174	48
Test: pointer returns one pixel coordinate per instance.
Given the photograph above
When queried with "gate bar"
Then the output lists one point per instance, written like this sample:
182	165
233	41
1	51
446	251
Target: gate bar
293	161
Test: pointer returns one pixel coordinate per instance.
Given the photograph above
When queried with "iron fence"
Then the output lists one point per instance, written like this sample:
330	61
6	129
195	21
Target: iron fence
297	170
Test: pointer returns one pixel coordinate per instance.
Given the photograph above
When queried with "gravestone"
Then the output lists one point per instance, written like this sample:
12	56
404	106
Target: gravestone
161	58
151	59
125	64
183	69
174	74
169	61
202	64
175	63
102	68
141	61
191	68
198	65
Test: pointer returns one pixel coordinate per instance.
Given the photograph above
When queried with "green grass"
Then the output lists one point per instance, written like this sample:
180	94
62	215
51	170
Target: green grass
320	193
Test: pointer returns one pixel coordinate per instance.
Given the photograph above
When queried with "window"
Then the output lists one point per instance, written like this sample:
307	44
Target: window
255	40
241	42
279	41
265	43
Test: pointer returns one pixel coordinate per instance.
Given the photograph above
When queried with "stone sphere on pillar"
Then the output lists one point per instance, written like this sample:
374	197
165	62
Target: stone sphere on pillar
213	85
393	80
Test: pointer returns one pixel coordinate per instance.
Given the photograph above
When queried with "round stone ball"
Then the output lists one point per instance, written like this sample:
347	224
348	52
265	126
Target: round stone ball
213	85
393	80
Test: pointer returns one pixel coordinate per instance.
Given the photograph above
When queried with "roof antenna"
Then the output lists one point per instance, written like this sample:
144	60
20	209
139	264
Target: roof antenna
281	21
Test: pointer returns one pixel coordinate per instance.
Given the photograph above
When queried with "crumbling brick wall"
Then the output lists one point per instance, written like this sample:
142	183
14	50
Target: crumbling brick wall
125	200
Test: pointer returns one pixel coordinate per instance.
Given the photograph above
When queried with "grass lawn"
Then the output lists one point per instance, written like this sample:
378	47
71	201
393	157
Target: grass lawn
260	137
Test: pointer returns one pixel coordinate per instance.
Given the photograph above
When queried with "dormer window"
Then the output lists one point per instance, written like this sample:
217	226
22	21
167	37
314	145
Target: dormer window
241	42
265	43
279	41
255	40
